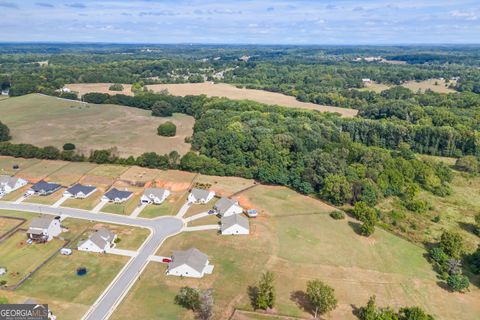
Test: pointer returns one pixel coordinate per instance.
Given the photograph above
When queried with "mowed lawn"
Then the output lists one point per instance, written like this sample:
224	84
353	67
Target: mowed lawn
21	258
133	131
296	239
57	282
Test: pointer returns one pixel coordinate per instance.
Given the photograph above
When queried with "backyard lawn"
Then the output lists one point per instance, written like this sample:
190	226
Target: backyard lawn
21	258
393	269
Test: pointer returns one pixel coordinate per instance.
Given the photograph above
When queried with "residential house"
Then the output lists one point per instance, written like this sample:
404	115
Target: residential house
5	92
9	184
227	207
366	81
200	195
234	224
79	191
98	241
44	229
117	196
189	263
154	195
43	188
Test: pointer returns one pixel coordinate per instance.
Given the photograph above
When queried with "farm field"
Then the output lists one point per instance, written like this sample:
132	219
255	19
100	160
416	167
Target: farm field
386	265
440	87
218	90
132	131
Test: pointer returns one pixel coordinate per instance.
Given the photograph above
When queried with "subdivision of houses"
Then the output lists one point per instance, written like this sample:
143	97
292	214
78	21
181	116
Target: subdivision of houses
226	207
189	263
200	195
154	195
234	224
43	188
79	191
99	241
44	229
117	196
9	184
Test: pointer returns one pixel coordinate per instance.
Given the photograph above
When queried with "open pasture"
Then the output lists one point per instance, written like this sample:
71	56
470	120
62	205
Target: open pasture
131	131
41	170
218	90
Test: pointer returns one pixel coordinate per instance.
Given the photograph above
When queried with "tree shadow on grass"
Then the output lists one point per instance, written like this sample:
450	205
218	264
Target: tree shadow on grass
469	227
355	227
252	292
301	300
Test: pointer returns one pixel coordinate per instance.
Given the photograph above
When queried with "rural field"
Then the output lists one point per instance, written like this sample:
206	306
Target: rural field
217	90
386	265
436	85
132	131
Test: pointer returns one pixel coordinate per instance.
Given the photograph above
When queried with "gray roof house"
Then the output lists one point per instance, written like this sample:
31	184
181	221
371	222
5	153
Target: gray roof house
44	228
98	241
79	191
44	188
227	207
116	195
9	184
200	195
189	263
154	195
234	224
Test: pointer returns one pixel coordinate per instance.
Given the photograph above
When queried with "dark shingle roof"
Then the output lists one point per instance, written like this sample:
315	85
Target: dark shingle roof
45	186
114	193
80	188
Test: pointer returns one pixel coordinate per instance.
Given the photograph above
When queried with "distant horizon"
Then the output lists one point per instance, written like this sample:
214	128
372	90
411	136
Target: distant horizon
266	22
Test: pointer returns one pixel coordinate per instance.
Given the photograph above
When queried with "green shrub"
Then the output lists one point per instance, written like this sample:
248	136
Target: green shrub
116	87
69	146
167	129
337	215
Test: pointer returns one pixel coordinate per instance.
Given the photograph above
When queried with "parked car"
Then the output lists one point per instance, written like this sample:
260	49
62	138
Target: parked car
211	211
166	260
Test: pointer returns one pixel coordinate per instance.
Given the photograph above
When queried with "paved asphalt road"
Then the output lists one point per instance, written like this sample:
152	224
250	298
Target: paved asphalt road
161	229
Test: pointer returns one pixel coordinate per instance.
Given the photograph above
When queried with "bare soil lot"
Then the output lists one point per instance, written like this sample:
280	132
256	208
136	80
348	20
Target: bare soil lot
217	90
44	121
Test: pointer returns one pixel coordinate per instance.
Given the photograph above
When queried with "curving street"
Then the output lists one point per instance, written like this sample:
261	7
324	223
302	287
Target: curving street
161	228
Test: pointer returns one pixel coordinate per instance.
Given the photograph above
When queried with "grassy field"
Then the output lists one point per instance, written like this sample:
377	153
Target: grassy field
167	208
385	265
376	87
456	212
218	90
7	224
57	283
435	85
7	163
71	173
40	170
20	258
133	131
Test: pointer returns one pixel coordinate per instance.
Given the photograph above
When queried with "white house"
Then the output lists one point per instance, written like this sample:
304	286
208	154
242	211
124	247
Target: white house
200	195
154	195
9	184
234	224
189	263
44	229
79	191
366	81
227	207
98	241
117	196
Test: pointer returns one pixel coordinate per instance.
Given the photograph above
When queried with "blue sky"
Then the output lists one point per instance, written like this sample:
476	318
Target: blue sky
245	22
